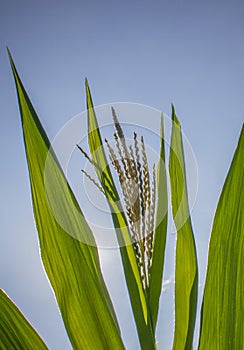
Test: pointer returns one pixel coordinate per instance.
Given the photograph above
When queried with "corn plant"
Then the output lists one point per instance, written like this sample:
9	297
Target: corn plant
73	266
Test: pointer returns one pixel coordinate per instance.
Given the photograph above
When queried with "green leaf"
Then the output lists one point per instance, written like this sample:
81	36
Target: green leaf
72	266
131	270
15	330
186	273
222	326
156	271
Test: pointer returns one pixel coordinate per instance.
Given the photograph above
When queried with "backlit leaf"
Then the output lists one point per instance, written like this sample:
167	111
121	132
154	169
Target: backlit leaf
186	274
222	325
72	266
15	330
156	271
131	270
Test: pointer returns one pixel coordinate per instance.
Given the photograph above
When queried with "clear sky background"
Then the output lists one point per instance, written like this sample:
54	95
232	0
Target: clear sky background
154	53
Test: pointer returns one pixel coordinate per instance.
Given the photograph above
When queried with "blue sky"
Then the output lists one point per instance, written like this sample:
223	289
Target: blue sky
153	53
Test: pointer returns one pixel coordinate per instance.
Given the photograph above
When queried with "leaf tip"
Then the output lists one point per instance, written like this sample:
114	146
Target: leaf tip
88	93
8	51
173	116
162	117
10	58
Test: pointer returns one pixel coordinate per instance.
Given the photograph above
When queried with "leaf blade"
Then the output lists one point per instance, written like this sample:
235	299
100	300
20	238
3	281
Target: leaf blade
156	271
222	306
186	271
15	331
132	275
72	266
